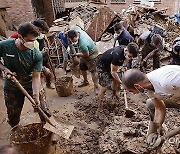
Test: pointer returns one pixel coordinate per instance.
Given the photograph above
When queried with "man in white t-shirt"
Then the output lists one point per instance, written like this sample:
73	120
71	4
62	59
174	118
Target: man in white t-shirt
162	86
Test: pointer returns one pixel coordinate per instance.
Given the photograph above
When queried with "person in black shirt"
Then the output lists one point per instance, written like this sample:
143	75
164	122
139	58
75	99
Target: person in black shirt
108	65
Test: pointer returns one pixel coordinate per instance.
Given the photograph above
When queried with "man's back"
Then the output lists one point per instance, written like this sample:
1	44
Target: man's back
114	56
166	80
85	43
124	38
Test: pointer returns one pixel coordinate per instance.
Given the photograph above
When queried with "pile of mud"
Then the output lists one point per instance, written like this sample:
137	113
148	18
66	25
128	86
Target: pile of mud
110	131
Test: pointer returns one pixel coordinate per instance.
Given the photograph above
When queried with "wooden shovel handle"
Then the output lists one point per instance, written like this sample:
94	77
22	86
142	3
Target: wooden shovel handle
125	99
31	99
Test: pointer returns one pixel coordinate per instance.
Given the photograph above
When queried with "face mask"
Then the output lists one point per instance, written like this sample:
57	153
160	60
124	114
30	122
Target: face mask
116	35
75	43
29	45
126	56
41	36
146	92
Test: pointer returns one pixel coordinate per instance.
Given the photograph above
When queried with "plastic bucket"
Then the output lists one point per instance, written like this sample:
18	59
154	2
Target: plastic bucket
31	139
64	86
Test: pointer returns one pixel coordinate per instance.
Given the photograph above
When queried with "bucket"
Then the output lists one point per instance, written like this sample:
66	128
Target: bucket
31	139
64	86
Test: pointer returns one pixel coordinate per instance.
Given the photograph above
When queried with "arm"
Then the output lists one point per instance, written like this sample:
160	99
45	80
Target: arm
160	112
84	55
151	54
47	41
36	84
114	70
6	71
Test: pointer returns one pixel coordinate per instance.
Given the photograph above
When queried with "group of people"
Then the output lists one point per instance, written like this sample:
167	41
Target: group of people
22	58
162	85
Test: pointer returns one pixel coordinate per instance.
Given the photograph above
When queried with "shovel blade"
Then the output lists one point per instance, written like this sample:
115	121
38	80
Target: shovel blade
59	128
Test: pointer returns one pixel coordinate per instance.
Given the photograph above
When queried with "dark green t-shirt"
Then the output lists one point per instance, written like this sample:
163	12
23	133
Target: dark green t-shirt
23	63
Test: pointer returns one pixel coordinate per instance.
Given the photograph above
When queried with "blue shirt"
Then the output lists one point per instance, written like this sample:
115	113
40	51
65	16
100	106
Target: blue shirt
124	38
63	39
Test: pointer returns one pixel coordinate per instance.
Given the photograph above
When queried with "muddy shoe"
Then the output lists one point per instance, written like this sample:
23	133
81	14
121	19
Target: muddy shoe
83	84
50	86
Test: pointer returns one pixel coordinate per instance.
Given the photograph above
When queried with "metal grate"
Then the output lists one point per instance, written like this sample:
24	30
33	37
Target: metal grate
59	6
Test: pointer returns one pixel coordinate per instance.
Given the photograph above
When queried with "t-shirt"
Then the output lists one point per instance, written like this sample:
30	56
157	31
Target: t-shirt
145	36
113	56
124	38
86	44
63	39
22	62
166	81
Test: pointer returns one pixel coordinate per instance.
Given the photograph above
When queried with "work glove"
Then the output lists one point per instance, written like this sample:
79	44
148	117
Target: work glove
155	141
8	74
37	102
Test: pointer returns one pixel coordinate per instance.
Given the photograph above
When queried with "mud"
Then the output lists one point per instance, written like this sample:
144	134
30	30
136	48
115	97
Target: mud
105	133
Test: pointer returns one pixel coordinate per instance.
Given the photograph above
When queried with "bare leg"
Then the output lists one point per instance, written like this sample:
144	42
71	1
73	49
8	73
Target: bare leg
85	82
115	85
101	97
84	74
95	81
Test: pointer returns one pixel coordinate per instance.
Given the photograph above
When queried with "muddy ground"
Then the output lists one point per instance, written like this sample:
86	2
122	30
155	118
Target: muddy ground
110	132
107	133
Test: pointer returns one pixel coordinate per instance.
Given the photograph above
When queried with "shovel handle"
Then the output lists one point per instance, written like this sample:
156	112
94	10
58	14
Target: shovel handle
125	99
31	99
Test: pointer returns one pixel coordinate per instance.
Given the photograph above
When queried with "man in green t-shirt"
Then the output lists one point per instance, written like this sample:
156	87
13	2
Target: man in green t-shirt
87	52
21	59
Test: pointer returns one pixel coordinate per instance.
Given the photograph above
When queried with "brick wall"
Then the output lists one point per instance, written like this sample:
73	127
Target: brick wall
20	11
170	4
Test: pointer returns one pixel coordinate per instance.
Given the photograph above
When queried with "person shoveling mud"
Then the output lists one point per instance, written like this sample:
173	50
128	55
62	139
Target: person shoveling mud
24	62
162	86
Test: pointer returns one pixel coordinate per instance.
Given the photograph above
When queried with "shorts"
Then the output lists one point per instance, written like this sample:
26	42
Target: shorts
104	76
88	64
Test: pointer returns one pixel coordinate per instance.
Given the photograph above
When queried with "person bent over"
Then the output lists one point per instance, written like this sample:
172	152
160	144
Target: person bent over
162	86
108	65
88	54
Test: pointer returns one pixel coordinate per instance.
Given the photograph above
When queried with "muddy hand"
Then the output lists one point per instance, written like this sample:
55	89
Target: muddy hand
8	74
37	102
154	141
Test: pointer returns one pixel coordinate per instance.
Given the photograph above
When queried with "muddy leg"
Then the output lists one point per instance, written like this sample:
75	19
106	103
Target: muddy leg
14	101
115	85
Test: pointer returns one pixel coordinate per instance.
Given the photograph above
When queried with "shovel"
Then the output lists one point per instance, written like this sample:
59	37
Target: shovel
128	113
51	125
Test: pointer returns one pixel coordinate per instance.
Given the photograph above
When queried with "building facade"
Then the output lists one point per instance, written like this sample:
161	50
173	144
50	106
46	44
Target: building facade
22	10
